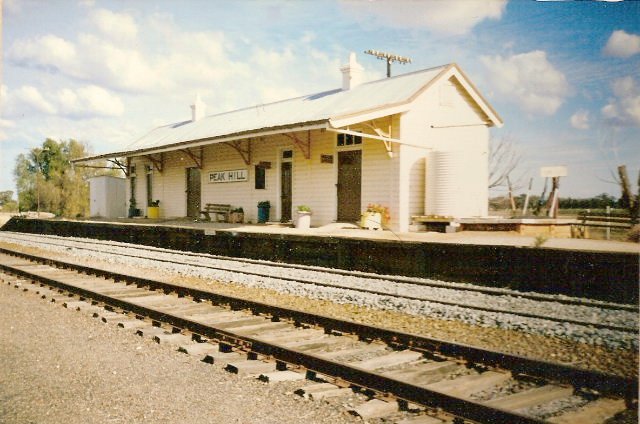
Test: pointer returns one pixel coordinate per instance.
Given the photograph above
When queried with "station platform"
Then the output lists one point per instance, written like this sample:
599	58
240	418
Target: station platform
347	230
604	270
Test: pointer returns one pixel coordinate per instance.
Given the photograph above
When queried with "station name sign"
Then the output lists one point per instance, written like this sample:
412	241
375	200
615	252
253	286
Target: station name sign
232	176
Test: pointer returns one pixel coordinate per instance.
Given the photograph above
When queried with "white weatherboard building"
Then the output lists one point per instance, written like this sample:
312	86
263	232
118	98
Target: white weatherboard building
416	143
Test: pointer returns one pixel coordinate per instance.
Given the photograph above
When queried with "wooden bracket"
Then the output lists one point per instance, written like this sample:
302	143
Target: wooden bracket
197	159
158	164
245	152
305	146
377	130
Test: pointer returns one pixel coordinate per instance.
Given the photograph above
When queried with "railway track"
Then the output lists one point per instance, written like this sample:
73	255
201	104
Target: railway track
476	298
446	381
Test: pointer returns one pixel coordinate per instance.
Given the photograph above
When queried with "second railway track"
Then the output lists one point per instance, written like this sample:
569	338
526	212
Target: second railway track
463	381
585	313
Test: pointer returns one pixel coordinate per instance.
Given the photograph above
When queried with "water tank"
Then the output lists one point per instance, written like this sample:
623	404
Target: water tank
456	184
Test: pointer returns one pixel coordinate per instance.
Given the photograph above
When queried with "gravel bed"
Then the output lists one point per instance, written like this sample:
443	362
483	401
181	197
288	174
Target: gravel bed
508	388
348	294
60	366
555	407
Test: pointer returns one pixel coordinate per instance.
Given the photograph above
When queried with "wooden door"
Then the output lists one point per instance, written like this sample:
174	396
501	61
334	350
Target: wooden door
285	191
193	192
349	185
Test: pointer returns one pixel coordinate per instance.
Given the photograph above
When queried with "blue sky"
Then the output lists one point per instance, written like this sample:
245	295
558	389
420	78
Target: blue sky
564	76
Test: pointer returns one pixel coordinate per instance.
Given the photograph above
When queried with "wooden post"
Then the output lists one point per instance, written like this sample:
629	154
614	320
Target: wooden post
511	199
526	199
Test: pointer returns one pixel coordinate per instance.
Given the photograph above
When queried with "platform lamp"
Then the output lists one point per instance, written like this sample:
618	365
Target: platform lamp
388	57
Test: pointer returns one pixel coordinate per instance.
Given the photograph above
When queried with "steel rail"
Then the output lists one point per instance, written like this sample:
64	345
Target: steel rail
376	382
604	383
593	324
392	278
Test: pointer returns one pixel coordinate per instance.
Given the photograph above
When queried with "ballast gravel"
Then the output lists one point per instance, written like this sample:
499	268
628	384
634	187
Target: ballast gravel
603	350
343	289
61	366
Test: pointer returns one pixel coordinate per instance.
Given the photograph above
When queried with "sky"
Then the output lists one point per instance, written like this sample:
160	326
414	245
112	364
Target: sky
563	75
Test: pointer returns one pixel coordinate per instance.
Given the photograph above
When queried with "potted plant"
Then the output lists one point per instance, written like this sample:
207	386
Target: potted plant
153	210
263	211
236	216
375	217
132	208
304	217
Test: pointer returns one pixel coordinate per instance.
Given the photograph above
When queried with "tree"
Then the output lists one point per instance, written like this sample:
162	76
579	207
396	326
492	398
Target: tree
47	181
503	160
7	204
5	197
628	200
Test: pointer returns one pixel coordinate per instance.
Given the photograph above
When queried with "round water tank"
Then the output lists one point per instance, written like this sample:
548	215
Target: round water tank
454	184
443	182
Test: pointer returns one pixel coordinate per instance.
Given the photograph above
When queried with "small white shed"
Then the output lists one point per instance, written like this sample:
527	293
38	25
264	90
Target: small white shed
108	197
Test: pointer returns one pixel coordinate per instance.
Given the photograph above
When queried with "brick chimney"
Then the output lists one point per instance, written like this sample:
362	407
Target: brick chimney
351	73
198	109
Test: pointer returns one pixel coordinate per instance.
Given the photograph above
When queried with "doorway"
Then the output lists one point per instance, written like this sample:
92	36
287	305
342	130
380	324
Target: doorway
193	192
349	187
285	191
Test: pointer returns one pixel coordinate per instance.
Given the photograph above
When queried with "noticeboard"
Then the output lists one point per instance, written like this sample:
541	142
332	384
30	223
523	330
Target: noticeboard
553	171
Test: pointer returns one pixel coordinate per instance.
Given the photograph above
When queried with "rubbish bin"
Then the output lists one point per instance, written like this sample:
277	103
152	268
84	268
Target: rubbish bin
263	212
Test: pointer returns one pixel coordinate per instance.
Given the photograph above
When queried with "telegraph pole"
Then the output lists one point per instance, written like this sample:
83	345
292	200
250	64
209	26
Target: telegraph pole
389	57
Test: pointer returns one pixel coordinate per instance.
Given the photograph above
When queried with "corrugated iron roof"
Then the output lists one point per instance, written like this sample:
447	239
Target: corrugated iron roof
312	108
319	108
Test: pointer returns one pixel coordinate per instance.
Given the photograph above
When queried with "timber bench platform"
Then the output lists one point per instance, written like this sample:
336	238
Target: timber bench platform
599	219
217	209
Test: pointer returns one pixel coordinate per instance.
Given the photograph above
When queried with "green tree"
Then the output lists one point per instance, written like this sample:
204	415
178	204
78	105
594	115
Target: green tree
5	197
47	181
7	204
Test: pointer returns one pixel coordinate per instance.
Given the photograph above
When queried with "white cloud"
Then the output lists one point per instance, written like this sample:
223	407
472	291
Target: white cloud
84	102
48	51
28	99
174	64
580	120
440	17
624	109
88	101
118	27
529	80
622	44
4	124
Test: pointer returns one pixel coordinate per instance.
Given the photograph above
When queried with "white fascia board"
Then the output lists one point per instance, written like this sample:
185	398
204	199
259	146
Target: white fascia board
347	120
198	143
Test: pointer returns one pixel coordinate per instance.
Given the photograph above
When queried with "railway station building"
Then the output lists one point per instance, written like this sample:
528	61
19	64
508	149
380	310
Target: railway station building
415	143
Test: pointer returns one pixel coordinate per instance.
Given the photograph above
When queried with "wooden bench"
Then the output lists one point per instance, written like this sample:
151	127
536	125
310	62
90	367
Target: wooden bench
217	209
602	219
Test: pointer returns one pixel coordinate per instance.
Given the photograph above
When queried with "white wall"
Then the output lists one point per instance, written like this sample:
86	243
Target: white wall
445	118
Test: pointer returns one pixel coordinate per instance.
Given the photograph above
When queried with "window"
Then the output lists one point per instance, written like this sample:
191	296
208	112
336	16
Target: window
287	154
348	140
260	177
